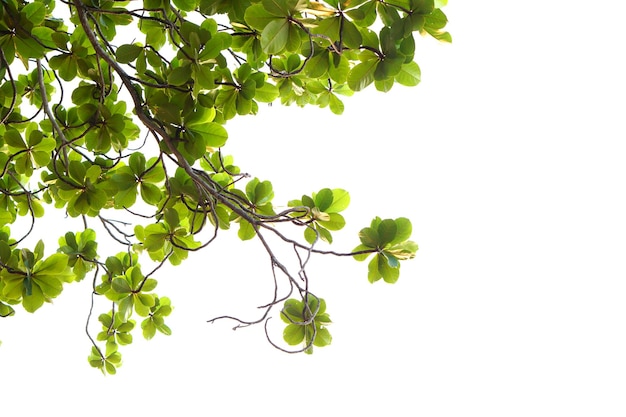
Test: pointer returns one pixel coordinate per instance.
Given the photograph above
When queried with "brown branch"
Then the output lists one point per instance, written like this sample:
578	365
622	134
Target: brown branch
53	120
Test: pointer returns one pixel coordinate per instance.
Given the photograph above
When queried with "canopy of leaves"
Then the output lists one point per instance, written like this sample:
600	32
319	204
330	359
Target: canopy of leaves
114	112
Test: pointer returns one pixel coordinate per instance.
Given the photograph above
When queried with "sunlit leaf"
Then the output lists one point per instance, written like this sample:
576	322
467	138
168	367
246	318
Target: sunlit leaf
293	334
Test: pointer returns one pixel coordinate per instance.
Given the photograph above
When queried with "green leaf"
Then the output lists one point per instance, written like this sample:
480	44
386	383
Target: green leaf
172	218
275	36
149	285
403	230
35	12
137	162
316	305
351	35
246	230
146	299
200	116
14	139
373	273
392	261
47	37
341	201
148	328
124	338
324	234
6	310
258	17
134	276
267	93
323	199
179	75
86	111
126	307
308	201
110	368
369	237
404	250
127	53
77	171
55	266
434	24
121	286
362	74
386	232
150	193
384	85
363	256
322	337
140	308
186	5
263	193
409	75
33	301
335	105
293	334
310	235
336	222
216	135
163	328
276	7
389	274
293	310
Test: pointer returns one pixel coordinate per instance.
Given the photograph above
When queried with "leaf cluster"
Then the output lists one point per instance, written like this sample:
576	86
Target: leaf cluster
114	112
306	323
322	213
388	239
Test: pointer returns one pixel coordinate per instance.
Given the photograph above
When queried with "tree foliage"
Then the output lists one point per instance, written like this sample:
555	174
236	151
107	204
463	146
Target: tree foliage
114	112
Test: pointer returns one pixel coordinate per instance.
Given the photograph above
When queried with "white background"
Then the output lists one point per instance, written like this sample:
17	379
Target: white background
508	159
